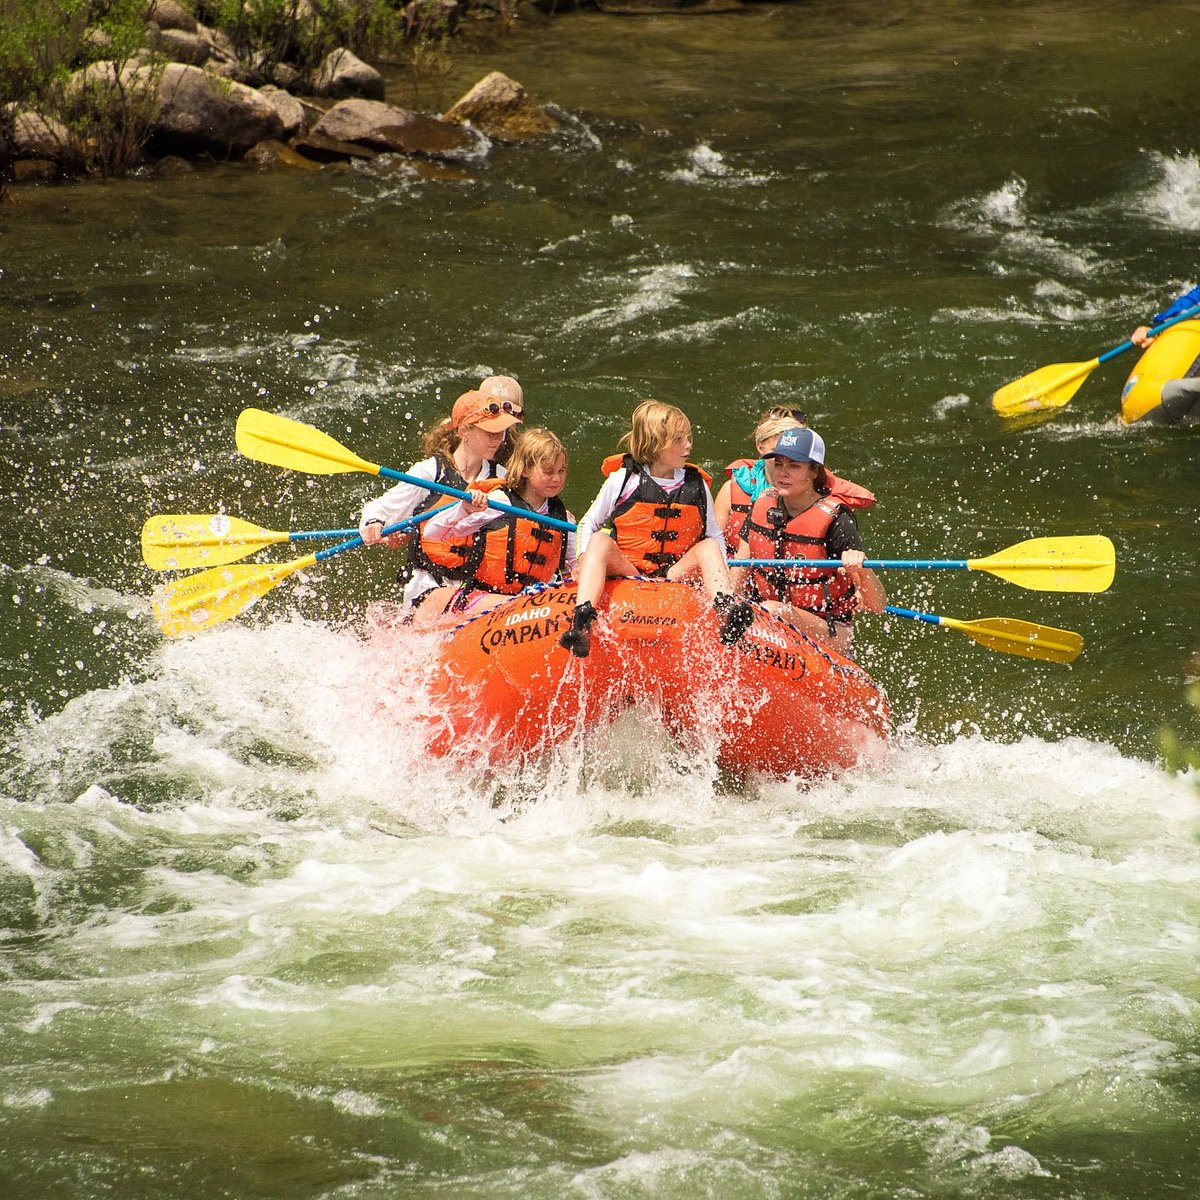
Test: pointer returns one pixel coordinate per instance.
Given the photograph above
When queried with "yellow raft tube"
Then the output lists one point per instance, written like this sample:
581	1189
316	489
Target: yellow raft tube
1169	356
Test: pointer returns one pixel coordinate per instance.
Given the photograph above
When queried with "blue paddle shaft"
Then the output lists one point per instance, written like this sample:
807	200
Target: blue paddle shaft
319	533
496	504
407	523
913	615
1155	330
955	564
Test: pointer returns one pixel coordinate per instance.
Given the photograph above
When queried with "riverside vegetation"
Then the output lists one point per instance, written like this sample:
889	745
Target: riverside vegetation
97	87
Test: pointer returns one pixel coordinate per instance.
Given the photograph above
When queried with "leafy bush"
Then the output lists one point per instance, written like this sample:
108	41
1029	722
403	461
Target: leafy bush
302	32
83	66
90	71
1181	752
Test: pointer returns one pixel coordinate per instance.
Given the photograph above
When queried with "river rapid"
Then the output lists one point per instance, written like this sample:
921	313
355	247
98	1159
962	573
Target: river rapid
257	944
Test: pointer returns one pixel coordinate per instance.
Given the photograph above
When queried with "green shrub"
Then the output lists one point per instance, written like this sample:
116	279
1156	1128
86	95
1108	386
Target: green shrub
1182	751
83	65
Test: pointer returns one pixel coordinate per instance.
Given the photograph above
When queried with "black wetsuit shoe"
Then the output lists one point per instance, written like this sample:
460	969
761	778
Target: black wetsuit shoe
736	617
578	638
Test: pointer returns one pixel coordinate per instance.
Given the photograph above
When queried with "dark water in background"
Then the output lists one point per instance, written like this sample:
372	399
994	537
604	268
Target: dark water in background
258	946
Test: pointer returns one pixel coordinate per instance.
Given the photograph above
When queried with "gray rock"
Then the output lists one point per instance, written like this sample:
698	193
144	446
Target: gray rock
385	128
286	76
170	14
38	137
98	40
202	112
501	108
221	43
290	110
342	73
184	46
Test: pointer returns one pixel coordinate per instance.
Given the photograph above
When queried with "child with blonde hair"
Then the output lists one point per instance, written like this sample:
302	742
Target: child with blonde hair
493	555
653	516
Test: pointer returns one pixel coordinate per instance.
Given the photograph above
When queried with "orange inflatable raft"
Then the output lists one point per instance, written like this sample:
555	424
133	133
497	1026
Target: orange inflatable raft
776	702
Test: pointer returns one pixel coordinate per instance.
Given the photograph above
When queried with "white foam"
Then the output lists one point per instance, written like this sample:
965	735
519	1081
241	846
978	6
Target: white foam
1173	198
641	292
969	924
1003	217
706	166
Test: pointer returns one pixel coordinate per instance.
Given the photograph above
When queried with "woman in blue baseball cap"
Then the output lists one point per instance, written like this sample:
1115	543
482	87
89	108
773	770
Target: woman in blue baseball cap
798	518
747	479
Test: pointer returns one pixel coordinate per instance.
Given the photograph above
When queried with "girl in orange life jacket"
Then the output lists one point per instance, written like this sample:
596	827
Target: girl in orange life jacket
461	450
747	480
653	516
797	518
497	554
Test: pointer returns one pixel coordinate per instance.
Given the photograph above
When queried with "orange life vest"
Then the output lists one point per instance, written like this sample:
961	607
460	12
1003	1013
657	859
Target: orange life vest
508	553
445	472
770	533
741	502
655	528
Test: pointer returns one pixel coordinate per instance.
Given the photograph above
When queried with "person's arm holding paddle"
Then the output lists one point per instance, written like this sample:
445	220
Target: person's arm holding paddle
1179	398
1142	337
868	591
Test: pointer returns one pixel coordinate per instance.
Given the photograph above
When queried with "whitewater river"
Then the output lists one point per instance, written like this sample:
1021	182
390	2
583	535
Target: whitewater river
257	944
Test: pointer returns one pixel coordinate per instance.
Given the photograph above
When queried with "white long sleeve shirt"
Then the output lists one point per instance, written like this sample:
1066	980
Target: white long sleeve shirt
402	501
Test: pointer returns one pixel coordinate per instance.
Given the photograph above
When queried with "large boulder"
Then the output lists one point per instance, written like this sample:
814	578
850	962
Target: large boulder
105	86
342	73
170	14
290	110
200	112
35	136
385	129
181	45
501	108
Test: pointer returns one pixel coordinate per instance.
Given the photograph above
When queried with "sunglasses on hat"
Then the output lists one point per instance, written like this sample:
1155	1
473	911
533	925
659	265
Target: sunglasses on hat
796	414
496	407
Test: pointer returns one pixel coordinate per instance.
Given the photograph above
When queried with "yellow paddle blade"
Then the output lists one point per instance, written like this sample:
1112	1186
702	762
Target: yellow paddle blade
200	601
1011	636
1047	387
178	542
268	438
1055	564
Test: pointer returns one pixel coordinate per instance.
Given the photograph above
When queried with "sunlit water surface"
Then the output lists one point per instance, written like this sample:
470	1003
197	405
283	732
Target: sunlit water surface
257	943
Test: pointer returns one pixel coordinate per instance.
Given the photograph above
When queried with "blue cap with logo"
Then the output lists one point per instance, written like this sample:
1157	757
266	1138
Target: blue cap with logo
800	445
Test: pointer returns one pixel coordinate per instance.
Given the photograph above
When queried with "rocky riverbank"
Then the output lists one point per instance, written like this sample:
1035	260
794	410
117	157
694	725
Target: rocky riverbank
186	91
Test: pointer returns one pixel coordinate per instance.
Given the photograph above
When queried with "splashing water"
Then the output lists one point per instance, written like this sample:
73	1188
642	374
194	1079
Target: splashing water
1006	205
274	915
1174	200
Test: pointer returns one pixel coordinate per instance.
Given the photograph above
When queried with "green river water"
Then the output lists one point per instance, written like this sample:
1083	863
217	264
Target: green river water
256	944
